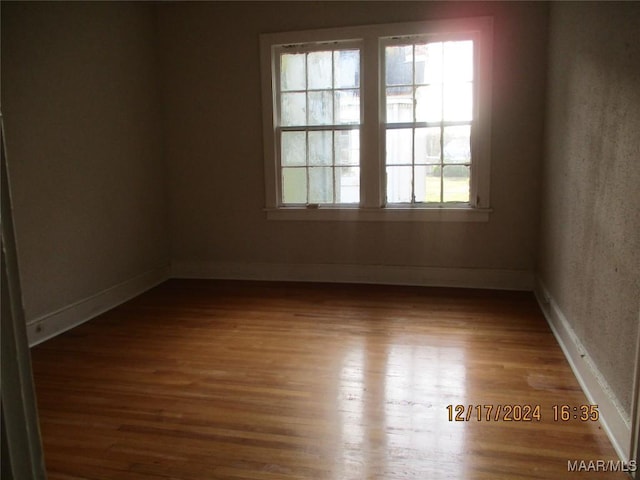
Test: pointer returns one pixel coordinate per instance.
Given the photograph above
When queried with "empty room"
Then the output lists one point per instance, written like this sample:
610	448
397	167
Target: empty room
320	240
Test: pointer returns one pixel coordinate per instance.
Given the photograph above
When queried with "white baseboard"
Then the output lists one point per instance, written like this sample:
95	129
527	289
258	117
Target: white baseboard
52	324
615	422
350	273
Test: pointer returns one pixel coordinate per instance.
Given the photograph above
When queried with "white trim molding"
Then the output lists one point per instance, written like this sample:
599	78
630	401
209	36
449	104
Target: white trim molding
635	409
615	422
351	273
51	324
387	214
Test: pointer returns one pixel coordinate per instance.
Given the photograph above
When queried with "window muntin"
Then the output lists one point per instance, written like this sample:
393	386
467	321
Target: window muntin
429	111
319	115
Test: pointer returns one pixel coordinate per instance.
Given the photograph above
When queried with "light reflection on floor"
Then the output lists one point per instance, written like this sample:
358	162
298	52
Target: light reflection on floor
391	409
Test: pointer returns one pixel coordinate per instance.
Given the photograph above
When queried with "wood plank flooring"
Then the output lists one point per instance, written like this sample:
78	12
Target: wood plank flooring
198	380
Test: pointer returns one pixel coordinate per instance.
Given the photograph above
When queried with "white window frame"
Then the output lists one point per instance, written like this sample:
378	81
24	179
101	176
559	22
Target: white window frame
371	40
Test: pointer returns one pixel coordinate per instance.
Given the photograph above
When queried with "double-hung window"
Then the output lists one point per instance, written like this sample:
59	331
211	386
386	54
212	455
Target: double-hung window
381	122
429	112
318	123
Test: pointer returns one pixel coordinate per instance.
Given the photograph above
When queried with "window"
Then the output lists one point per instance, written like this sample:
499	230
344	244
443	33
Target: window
318	133
429	111
383	122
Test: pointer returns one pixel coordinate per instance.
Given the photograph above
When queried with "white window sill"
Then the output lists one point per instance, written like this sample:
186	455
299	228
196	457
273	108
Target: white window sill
387	214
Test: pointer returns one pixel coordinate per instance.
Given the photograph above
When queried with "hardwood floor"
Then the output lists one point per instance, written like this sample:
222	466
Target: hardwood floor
200	380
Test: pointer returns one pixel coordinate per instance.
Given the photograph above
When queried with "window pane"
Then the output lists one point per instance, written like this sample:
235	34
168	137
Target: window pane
347	106
347	68
456	183
347	147
399	184
458	61
419	60
399	146
432	184
399	104
457	144
399	65
429	103
347	184
320	108
320	151
294	185
292	72
458	104
427	145
419	183
432	65
293	109
319	68
320	185
294	148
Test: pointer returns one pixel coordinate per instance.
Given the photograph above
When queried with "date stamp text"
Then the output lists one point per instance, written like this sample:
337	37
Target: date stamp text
521	413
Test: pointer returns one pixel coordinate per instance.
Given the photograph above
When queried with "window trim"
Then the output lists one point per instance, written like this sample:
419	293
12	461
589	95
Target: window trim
372	177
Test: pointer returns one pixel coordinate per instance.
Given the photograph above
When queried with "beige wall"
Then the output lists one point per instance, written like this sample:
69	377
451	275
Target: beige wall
81	112
590	229
212	99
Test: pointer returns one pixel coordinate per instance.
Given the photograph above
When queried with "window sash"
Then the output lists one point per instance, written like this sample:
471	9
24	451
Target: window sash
337	45
339	194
